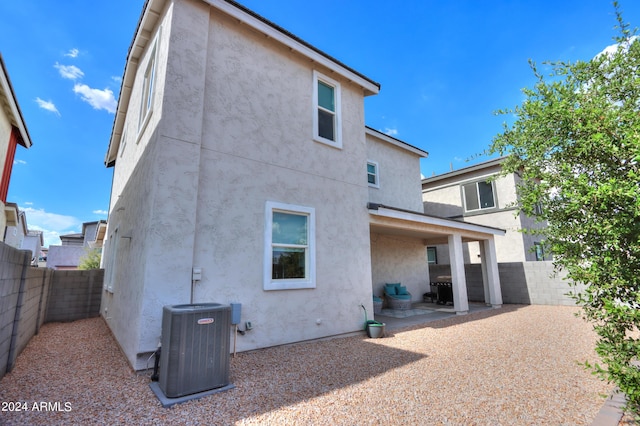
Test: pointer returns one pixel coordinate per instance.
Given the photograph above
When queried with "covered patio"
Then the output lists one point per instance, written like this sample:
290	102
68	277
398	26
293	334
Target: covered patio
413	232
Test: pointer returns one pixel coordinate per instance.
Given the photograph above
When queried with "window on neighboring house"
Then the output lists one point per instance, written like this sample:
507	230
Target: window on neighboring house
289	247
432	255
539	251
372	174
478	196
146	105
327	116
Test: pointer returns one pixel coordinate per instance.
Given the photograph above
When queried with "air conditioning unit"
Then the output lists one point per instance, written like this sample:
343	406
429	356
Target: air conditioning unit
195	348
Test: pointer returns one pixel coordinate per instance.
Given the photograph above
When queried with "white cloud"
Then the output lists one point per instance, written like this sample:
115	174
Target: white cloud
612	49
19	162
72	53
103	212
48	105
116	79
98	99
70	72
391	132
52	225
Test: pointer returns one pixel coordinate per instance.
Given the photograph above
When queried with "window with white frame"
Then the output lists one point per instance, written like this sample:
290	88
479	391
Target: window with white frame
478	196
327	126
146	105
372	174
123	142
289	261
432	255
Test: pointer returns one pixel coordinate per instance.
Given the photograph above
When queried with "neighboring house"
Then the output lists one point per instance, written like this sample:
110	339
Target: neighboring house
33	242
75	246
243	172
17	228
13	132
477	194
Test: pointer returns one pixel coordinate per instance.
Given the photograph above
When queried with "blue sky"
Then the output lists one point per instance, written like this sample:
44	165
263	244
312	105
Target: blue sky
444	67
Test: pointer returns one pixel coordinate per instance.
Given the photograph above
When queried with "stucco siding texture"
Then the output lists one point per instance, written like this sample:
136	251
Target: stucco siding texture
231	128
397	259
398	173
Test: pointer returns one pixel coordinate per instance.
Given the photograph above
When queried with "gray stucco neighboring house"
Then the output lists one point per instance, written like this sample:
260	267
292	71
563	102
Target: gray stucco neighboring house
478	194
242	152
74	246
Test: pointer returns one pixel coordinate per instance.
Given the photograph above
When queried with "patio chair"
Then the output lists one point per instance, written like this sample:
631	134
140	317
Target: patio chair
397	296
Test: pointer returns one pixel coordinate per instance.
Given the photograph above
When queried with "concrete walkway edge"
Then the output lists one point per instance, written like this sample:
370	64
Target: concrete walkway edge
612	411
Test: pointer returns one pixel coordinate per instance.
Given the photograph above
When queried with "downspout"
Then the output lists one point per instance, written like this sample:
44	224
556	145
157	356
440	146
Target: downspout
16	320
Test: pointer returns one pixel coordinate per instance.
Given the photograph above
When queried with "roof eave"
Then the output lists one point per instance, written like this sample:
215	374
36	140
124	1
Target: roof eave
18	119
244	15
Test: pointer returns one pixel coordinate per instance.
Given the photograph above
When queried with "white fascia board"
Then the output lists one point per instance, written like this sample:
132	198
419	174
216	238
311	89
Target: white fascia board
15	112
436	221
293	44
396	142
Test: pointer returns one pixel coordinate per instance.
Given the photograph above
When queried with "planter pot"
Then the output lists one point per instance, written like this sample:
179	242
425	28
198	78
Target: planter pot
375	330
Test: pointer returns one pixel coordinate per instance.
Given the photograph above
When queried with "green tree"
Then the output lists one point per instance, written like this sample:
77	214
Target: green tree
91	259
575	142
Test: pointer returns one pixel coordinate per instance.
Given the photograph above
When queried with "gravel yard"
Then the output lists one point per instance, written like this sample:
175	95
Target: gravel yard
514	366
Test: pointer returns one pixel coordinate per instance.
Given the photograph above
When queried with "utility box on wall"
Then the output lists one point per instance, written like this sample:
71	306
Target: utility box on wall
195	348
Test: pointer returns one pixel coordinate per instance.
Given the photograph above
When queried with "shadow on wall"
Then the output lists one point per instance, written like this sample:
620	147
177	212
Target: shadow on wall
513	281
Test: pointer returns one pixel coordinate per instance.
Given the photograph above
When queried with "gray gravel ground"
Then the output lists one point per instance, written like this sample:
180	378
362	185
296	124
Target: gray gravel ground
514	366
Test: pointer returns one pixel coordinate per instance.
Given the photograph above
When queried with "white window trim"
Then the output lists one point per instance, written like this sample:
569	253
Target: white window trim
338	112
377	174
149	90
477	191
289	284
123	142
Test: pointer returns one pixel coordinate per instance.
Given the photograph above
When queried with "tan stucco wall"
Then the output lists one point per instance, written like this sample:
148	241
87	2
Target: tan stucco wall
399	175
398	259
231	129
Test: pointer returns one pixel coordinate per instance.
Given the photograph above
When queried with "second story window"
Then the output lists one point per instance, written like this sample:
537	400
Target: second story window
478	196
146	105
372	174
326	119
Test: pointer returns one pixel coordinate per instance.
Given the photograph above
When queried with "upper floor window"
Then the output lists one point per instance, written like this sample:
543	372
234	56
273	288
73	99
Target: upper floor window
327	111
289	247
146	104
478	196
372	174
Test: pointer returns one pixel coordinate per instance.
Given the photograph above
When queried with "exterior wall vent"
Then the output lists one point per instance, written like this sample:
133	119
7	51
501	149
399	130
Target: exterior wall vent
195	348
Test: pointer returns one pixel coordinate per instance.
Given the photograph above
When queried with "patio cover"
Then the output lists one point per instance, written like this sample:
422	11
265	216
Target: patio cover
436	230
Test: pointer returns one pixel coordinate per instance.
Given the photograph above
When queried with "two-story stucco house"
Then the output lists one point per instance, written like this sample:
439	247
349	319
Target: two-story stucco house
479	194
13	132
243	172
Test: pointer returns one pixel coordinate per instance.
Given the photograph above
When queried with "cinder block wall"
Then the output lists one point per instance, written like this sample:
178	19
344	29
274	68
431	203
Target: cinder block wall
31	296
529	283
12	266
74	295
34	304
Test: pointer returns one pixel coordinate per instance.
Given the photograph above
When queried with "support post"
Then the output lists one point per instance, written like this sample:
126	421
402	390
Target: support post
458	277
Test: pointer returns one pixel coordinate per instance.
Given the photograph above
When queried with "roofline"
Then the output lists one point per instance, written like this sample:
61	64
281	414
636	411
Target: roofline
253	20
397	142
398	213
464	170
7	88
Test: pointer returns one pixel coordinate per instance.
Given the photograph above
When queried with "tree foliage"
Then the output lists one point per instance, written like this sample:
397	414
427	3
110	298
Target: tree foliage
575	142
91	259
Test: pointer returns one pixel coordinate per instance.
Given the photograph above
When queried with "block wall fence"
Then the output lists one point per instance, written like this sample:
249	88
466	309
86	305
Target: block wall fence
30	296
